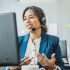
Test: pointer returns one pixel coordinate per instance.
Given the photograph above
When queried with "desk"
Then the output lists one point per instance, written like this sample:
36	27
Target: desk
67	66
30	67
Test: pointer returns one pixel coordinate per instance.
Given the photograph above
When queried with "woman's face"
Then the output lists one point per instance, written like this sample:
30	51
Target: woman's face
31	20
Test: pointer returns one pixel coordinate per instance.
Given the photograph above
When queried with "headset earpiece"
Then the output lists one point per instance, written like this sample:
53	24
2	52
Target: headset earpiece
42	17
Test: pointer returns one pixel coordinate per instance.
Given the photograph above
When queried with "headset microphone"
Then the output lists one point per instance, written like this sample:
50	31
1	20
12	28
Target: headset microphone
33	29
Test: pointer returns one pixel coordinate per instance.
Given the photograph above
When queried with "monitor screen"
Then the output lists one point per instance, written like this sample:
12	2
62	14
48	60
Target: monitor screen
9	47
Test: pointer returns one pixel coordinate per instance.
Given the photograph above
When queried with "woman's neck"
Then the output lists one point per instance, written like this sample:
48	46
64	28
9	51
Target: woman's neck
36	34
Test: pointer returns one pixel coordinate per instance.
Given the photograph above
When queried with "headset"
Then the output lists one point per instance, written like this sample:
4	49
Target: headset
42	16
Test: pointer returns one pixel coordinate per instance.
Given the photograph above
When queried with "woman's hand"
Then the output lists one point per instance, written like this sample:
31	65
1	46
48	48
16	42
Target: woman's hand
25	61
45	62
15	68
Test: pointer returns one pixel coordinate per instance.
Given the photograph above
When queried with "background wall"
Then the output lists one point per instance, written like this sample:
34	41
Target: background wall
64	21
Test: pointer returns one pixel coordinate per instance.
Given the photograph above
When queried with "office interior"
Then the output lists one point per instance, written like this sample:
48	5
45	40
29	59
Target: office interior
57	14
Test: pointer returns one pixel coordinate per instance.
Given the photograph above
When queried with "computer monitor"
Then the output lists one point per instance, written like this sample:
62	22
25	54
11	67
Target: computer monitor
9	47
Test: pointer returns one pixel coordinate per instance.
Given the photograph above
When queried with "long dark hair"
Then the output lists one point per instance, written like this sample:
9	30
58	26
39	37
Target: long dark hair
41	16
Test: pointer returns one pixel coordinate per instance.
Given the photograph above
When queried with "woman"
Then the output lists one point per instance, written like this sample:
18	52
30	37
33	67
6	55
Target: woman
37	47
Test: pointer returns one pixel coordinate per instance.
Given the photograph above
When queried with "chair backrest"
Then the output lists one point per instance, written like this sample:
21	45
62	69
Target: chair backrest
63	46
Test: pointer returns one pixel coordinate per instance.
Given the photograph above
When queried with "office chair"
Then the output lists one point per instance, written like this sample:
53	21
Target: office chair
63	46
